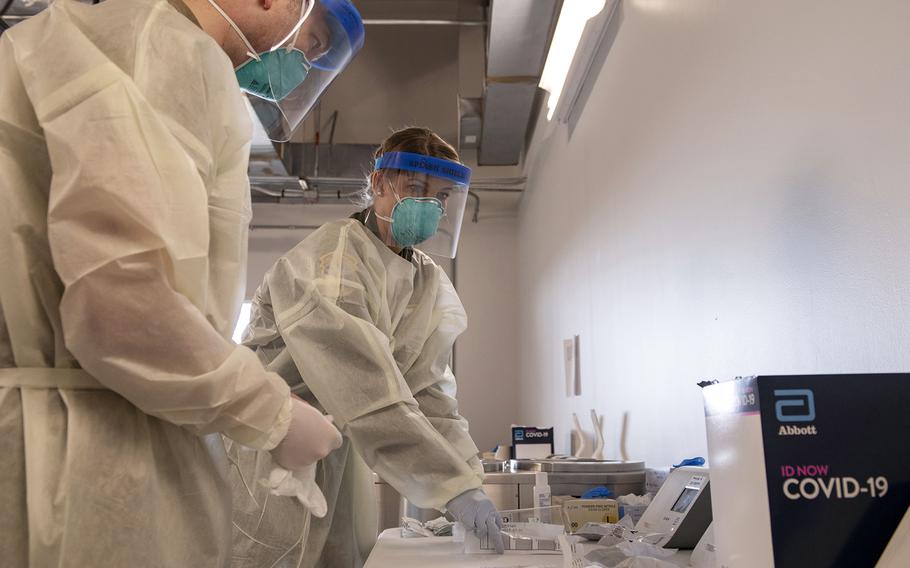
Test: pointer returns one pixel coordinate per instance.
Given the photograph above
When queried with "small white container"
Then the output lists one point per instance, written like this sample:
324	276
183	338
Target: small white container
542	497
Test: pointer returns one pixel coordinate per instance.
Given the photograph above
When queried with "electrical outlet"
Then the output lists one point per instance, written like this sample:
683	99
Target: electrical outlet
568	348
577	340
572	359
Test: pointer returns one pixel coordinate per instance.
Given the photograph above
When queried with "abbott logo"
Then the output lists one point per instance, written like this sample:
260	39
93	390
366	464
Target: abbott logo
794	405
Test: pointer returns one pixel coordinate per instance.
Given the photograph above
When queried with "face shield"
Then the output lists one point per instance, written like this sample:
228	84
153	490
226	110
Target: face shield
431	194
285	82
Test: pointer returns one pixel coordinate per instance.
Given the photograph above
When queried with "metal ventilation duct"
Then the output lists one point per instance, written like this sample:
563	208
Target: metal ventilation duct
350	161
470	123
519	35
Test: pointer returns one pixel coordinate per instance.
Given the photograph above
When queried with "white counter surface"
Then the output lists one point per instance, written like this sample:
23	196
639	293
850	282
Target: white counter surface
392	551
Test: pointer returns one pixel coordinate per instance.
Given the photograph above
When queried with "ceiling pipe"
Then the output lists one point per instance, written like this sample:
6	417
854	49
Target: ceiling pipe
259	227
476	216
391	22
512	183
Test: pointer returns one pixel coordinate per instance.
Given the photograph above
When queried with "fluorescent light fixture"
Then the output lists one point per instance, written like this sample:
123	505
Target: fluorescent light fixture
243	320
571	24
656	5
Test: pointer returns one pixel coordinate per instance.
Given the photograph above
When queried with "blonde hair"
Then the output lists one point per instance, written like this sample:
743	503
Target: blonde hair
416	140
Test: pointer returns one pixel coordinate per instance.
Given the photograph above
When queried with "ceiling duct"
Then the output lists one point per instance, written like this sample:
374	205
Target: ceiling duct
519	35
470	123
308	160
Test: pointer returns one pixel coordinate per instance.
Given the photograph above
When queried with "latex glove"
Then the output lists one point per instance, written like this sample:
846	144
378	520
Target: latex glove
311	436
476	512
300	484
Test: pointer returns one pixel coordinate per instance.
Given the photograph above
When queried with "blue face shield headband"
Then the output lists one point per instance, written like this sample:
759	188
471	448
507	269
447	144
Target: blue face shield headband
433	221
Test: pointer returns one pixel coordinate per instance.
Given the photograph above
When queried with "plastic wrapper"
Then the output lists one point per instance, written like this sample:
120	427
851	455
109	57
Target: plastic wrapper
634	505
638	549
300	484
528	530
645	562
620	546
614	533
412	528
655	478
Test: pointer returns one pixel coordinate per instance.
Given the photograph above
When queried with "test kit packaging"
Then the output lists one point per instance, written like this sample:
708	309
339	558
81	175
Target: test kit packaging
578	512
810	470
529	442
655	478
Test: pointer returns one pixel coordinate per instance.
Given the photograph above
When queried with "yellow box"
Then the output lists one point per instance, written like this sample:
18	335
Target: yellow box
577	512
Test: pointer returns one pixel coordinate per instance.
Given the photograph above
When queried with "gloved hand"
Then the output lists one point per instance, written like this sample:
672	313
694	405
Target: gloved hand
311	436
477	513
301	484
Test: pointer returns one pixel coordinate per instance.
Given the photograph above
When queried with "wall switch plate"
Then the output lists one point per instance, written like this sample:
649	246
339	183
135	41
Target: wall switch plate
577	340
568	347
571	358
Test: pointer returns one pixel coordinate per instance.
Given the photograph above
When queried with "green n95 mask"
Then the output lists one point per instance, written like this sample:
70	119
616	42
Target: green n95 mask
429	215
274	75
285	80
414	220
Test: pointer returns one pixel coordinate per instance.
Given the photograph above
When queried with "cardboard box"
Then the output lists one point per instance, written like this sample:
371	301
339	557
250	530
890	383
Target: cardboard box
577	512
809	470
531	443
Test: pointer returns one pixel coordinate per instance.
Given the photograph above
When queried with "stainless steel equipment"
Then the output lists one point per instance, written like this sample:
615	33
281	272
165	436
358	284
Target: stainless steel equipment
681	510
494	466
577	465
513	489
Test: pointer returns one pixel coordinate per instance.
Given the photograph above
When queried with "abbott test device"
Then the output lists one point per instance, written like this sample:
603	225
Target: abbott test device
681	510
810	470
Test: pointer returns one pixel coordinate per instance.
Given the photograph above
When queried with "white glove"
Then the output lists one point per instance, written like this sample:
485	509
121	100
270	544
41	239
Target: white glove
477	513
300	484
311	436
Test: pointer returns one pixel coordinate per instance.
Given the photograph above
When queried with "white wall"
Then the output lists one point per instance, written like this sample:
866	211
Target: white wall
733	201
486	355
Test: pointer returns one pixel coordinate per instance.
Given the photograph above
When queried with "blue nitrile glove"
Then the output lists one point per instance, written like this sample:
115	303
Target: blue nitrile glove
697	461
597	493
477	513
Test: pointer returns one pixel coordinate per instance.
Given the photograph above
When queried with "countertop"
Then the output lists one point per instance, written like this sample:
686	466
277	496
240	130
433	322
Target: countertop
392	551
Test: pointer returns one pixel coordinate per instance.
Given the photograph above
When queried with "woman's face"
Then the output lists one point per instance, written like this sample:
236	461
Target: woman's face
390	186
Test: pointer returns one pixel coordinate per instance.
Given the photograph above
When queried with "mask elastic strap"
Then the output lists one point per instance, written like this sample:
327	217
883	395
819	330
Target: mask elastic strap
294	33
250	51
397	198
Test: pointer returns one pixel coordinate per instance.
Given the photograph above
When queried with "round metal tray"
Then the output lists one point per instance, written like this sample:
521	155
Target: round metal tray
494	466
564	477
577	465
